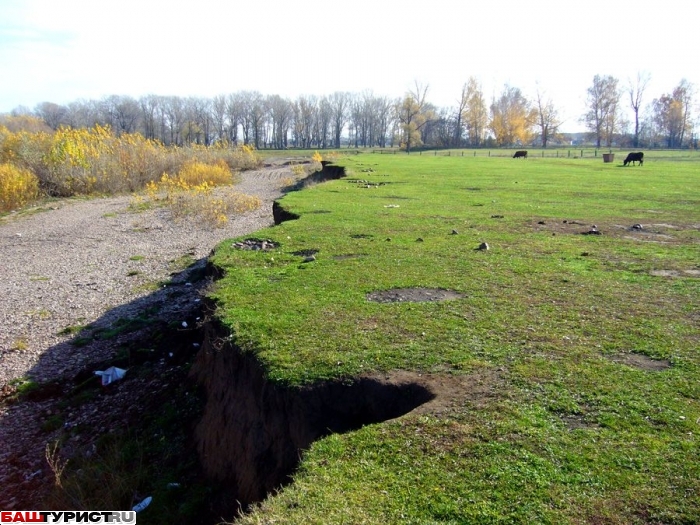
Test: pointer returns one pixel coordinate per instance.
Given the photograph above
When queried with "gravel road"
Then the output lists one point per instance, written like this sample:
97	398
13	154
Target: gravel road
76	262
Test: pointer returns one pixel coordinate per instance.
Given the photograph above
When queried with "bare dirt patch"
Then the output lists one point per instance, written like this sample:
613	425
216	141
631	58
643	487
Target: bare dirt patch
643	362
675	273
578	422
413	295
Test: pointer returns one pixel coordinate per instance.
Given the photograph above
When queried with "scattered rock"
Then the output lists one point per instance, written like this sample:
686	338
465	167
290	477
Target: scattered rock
454	232
484	246
419	239
255	244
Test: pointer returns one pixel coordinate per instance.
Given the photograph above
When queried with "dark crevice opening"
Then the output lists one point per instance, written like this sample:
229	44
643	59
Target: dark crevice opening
253	433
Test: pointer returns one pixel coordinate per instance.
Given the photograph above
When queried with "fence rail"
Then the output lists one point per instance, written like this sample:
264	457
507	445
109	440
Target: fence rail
567	153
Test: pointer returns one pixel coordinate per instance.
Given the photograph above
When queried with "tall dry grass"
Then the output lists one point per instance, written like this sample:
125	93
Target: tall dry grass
83	161
193	192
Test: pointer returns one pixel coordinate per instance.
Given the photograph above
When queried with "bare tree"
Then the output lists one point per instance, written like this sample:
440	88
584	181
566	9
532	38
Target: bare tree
252	115
382	118
280	111
462	104
82	114
603	116
636	93
174	112
218	117
339	105
234	112
325	118
547	117
53	115
149	112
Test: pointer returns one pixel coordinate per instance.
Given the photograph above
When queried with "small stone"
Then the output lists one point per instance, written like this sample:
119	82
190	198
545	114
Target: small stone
484	246
455	232
637	227
419	239
542	222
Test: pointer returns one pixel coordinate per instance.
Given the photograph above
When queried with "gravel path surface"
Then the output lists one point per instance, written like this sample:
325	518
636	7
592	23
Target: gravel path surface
82	262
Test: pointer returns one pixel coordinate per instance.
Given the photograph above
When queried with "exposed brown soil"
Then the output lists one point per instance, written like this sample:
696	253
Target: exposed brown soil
675	273
634	230
413	295
643	362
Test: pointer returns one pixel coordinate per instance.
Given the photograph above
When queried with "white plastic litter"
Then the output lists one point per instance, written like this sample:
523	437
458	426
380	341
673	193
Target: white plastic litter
145	503
110	375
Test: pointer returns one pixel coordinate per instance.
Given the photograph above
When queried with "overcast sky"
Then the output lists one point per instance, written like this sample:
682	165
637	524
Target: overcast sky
65	50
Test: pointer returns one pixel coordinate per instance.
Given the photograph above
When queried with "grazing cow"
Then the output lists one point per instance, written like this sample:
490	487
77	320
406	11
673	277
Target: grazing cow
634	157
519	154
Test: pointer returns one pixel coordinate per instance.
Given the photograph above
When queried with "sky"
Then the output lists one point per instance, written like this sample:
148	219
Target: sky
62	51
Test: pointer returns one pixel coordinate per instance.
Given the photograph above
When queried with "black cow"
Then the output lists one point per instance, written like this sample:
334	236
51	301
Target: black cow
634	157
519	154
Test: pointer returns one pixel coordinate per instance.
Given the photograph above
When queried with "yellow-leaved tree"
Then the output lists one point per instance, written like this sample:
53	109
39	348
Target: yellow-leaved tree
414	112
512	118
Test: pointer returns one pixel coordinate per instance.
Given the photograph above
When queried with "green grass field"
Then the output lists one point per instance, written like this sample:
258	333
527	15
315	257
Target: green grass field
584	346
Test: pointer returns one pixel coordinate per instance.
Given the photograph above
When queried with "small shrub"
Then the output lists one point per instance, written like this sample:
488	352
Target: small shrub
18	186
198	173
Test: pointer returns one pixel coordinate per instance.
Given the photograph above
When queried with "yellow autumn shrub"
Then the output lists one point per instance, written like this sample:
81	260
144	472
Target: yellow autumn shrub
18	186
216	174
73	161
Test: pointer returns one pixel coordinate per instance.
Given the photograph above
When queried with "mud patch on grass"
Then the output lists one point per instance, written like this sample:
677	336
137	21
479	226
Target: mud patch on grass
413	295
675	273
578	422
305	253
643	362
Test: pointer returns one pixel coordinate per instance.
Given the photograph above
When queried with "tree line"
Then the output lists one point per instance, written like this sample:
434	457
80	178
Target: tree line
367	120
